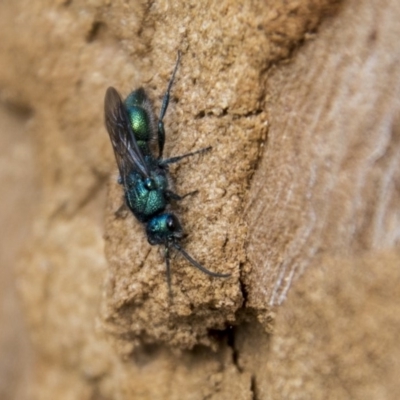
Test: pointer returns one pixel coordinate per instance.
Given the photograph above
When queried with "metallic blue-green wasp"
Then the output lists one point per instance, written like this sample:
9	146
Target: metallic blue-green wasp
132	127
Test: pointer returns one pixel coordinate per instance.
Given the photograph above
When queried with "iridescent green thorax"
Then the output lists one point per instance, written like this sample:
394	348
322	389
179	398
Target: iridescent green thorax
146	196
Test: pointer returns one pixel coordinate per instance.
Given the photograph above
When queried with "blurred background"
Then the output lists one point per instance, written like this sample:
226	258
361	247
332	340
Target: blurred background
19	198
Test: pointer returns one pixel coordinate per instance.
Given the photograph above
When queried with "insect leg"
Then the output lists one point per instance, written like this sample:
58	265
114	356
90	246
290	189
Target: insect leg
168	271
177	197
197	265
173	160
164	106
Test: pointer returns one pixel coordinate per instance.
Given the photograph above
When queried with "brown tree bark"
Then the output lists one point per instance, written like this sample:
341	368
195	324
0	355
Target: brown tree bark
298	200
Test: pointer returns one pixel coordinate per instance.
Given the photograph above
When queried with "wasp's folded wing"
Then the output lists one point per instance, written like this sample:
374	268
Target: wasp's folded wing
127	153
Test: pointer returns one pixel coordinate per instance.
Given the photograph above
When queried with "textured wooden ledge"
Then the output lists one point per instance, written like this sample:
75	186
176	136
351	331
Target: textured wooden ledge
299	199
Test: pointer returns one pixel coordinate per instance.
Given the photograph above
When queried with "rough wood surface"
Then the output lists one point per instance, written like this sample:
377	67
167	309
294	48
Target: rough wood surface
328	182
325	203
299	199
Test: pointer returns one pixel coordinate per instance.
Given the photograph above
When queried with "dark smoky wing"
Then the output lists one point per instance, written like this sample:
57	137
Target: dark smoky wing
127	153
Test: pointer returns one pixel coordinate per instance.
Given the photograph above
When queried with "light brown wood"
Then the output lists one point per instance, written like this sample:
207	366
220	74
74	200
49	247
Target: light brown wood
299	199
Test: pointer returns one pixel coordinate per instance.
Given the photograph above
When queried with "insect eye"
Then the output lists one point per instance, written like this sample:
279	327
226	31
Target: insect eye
171	224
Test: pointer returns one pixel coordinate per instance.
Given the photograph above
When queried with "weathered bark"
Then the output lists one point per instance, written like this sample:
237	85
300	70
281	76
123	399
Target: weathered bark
325	203
302	181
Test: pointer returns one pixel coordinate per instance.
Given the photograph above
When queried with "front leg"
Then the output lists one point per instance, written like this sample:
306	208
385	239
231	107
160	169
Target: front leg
164	106
173	160
174	196
168	271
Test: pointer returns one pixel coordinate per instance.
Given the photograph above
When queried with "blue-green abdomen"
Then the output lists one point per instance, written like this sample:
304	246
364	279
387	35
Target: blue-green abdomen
140	123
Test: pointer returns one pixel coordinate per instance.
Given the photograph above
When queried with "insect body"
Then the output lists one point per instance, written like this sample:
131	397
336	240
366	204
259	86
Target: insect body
145	178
